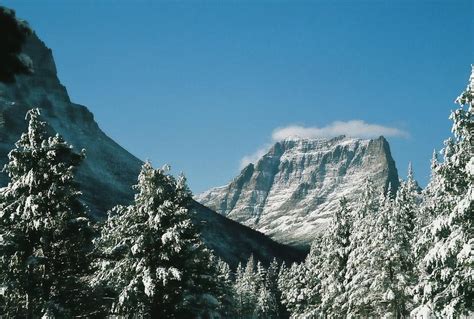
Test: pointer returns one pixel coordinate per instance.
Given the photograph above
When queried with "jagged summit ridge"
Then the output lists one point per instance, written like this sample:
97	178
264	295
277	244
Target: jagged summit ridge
290	193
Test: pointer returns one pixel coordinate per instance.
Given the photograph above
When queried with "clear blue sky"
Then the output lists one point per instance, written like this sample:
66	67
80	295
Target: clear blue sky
200	85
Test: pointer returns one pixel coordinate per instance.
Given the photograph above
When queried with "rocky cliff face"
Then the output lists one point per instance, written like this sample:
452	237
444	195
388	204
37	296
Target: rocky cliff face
291	192
109	170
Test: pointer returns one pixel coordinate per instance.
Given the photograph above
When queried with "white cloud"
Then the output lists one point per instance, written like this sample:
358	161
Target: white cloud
254	157
353	128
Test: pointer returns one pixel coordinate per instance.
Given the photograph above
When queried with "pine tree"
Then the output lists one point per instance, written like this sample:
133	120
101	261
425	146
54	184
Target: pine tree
390	262
431	195
300	286
294	289
13	36
225	290
359	274
313	265
152	254
407	213
271	281
46	237
268	296
238	289
446	270
266	304
260	274
408	200
246	288
432	205
334	267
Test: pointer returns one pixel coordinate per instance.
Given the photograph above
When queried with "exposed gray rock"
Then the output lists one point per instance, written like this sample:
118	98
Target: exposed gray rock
291	192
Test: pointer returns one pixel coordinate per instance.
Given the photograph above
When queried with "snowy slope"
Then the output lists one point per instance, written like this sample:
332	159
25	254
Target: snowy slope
290	193
109	170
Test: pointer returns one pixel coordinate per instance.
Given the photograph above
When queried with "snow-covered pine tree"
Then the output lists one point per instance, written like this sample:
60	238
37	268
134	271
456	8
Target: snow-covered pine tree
225	290
446	282
390	262
300	286
260	274
359	274
239	290
46	237
407	201
334	262
406	211
266	307
271	281
293	286
246	289
152	254
431	206
284	277
268	296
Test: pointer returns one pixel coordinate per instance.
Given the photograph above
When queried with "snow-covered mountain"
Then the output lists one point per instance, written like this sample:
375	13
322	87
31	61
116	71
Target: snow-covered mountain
290	193
109	170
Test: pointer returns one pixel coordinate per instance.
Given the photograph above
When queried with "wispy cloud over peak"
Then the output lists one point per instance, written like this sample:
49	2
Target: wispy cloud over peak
353	128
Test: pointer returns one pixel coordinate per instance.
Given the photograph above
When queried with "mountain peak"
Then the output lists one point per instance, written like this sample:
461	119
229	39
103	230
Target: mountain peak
292	190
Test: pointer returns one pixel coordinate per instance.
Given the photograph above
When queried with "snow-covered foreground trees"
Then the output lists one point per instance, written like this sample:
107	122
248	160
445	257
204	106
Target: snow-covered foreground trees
149	261
152	256
300	285
256	293
45	236
384	255
359	267
446	258
337	246
387	257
